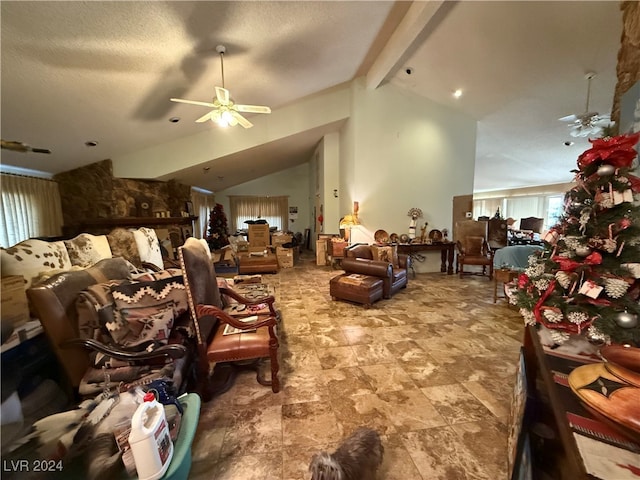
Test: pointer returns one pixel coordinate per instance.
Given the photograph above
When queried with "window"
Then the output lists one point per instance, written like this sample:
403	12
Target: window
203	203
555	208
30	208
547	206
275	210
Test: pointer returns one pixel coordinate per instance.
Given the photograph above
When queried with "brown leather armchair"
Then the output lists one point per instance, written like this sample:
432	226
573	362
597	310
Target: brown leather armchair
359	259
473	248
256	340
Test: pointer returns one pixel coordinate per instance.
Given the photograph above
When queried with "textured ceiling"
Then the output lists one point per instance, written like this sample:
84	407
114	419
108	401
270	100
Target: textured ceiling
79	71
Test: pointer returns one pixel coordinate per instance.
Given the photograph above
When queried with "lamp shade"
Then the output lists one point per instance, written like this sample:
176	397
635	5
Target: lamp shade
349	221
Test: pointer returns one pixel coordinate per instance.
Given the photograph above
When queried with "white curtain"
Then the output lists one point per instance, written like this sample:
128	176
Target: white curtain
30	208
275	210
487	207
203	203
523	207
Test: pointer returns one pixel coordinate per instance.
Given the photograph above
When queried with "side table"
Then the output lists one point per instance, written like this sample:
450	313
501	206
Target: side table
502	275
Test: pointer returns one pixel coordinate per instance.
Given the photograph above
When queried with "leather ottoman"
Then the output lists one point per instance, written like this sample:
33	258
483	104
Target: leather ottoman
356	288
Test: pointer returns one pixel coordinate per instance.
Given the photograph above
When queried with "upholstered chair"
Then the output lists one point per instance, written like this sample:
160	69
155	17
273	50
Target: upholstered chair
532	223
378	261
473	248
253	340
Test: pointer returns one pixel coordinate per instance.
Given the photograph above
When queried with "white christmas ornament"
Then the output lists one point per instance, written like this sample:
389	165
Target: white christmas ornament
634	268
564	279
583	251
626	319
615	287
621	197
606	169
551	237
590	289
553	316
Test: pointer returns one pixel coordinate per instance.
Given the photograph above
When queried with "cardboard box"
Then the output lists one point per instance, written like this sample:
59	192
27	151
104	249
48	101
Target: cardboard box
279	240
259	235
285	257
15	308
337	248
321	252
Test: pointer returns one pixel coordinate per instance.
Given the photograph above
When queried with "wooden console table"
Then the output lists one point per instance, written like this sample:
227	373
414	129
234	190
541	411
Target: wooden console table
446	253
579	445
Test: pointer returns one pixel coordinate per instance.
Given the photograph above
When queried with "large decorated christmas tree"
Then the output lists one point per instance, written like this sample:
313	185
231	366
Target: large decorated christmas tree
218	229
587	278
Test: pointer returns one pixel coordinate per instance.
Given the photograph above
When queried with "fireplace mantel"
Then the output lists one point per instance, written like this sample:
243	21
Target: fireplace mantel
99	226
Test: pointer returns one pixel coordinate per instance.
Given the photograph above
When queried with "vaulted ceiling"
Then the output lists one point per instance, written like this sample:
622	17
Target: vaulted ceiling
74	72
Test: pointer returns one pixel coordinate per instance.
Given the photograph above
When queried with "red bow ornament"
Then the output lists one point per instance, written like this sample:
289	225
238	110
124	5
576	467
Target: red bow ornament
617	151
566	264
594	258
523	280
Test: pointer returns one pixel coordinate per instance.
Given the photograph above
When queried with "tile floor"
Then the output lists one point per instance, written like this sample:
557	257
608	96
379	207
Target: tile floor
431	370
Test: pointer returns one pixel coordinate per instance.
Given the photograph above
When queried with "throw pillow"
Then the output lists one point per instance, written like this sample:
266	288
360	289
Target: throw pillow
146	324
167	273
394	256
141	309
86	249
96	311
148	246
123	244
383	254
30	258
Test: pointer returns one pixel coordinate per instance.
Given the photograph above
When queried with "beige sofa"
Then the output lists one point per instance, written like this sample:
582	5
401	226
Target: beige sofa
37	260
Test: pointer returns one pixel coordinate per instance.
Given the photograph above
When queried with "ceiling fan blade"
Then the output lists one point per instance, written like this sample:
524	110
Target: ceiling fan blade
222	94
569	118
21	147
580	131
40	150
205	117
241	120
192	102
252	108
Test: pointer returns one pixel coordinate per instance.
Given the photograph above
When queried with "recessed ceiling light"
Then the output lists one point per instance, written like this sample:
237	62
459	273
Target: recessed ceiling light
91	143
457	93
174	119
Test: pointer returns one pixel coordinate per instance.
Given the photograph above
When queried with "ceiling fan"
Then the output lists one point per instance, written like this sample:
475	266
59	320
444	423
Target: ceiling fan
225	112
587	123
21	147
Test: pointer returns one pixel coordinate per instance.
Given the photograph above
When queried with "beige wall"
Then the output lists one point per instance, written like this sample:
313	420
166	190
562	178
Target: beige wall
293	182
406	151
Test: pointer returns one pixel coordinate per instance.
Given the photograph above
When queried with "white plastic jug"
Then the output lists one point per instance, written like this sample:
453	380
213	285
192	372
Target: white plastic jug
149	439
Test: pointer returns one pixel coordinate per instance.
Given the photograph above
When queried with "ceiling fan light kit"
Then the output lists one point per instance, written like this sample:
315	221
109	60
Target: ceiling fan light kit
225	112
587	123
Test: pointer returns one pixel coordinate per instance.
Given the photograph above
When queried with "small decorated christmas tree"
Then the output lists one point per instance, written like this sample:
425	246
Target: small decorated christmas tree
218	230
587	277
